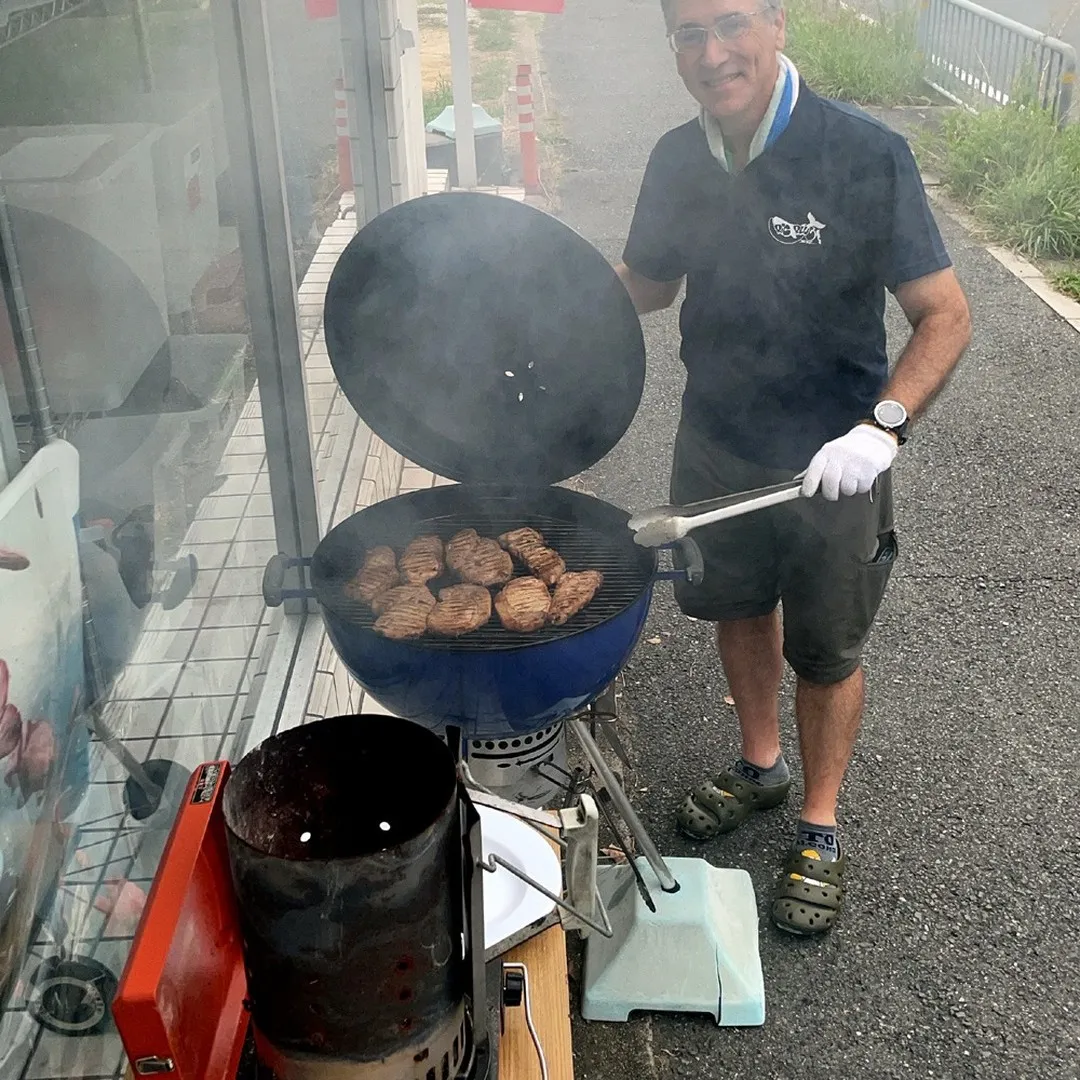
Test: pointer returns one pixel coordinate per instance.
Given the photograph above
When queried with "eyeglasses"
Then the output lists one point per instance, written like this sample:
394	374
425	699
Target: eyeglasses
726	28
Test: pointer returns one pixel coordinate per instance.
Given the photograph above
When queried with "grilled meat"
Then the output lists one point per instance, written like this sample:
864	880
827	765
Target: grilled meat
523	605
545	563
459	547
460	610
406	617
378	573
528	546
422	560
517	539
572	593
400	594
477	560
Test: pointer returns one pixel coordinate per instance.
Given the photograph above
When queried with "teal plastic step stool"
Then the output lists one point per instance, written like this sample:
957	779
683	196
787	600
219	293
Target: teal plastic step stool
697	953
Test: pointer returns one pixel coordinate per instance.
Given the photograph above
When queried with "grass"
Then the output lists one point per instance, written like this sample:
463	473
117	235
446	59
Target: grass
1017	171
490	80
495	32
842	54
1012	167
438	98
1068	282
494	38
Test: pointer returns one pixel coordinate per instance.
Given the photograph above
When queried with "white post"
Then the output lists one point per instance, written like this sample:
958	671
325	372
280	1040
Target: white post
457	20
412	103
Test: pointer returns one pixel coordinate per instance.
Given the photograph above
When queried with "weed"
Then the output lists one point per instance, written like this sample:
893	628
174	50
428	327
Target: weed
495	32
438	98
1018	172
490	80
1068	282
844	54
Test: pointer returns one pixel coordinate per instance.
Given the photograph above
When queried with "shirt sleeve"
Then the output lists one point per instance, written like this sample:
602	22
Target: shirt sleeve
653	248
916	247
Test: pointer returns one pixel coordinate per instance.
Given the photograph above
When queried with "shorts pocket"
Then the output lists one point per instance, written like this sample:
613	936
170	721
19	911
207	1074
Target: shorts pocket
888	549
871	581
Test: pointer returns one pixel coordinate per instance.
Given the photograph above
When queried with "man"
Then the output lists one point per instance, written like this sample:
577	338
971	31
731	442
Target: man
788	216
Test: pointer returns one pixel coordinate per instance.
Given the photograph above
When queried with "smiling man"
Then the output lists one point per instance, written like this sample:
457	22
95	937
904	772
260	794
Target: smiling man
787	217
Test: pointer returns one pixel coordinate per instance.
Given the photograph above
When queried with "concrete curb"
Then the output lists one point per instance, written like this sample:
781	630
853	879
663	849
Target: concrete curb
1062	305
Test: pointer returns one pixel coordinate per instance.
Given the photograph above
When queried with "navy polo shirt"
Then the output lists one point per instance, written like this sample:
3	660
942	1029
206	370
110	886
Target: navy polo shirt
786	266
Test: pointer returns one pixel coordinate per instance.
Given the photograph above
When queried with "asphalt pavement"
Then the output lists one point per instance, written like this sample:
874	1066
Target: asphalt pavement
959	953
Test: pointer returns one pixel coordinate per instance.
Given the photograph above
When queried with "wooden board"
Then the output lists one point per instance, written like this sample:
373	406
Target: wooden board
545	957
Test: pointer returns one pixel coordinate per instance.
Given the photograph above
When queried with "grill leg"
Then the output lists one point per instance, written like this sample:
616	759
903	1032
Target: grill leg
622	804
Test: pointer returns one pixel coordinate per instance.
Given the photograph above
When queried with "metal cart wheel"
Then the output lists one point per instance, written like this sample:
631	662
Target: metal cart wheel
165	775
72	996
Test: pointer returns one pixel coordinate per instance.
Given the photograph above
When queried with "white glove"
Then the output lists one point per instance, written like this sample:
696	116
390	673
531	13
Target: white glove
850	465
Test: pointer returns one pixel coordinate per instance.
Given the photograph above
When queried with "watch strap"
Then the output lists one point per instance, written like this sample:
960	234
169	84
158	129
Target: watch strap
898	433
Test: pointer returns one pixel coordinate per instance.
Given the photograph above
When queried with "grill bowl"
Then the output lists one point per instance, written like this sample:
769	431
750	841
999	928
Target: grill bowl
491	683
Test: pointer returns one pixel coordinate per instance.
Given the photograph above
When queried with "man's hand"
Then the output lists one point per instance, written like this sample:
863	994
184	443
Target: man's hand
850	465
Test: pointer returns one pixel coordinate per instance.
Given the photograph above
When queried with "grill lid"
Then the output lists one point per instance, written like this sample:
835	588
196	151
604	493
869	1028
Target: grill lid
484	340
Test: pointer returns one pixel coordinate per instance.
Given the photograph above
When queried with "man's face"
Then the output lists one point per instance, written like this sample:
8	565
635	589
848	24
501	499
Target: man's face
737	76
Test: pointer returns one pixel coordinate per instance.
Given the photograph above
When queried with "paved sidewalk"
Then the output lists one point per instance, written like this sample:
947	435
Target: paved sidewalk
958	956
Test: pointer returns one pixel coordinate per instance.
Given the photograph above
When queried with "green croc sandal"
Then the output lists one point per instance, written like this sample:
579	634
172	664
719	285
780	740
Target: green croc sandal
721	805
809	895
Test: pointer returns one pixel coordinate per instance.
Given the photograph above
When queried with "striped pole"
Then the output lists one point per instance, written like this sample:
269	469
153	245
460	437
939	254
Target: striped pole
341	125
530	165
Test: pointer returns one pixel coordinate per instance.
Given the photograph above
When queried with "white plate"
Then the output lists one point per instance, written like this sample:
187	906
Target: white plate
509	904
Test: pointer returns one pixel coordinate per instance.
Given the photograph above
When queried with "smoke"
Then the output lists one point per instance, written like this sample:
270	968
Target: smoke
484	338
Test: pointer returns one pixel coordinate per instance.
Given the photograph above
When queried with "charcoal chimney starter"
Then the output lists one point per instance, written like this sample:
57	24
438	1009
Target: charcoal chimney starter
350	849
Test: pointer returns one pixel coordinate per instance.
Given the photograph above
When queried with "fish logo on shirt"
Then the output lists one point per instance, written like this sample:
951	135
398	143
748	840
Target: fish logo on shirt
786	233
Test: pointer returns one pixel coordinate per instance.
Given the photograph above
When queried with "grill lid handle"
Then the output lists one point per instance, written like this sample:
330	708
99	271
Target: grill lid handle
273	583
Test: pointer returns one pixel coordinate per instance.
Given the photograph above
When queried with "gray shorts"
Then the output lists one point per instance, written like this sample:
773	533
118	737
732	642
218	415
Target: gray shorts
827	563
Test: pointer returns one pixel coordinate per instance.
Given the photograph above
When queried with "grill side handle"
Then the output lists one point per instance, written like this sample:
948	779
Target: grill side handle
688	561
273	583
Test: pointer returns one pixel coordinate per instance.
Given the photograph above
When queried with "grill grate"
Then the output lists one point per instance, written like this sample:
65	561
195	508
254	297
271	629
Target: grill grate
626	569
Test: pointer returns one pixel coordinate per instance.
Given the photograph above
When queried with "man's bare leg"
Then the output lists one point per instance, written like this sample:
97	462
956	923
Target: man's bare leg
829	719
751	651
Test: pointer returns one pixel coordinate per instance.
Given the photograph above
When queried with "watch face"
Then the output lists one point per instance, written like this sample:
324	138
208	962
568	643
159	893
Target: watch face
891	414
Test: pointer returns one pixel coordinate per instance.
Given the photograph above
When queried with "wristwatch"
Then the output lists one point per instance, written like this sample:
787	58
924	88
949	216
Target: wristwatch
892	417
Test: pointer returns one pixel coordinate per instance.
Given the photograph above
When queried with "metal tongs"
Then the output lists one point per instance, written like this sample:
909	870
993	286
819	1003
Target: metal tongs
663	525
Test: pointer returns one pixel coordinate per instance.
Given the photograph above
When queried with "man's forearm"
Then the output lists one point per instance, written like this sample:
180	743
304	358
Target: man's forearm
931	356
647	295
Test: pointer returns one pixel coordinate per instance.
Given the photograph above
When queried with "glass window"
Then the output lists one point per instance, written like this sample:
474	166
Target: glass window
140	626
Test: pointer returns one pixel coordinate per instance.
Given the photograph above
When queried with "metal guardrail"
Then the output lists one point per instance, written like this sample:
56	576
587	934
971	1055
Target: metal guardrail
20	17
979	58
